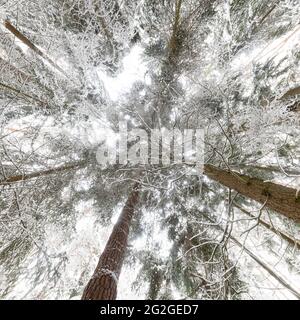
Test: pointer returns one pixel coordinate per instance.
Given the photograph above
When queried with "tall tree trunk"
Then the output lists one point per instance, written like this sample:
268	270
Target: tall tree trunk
27	176
173	43
291	93
103	284
258	260
282	199
31	45
19	93
289	238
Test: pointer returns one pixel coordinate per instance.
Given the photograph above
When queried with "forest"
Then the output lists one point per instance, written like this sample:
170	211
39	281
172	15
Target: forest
208	209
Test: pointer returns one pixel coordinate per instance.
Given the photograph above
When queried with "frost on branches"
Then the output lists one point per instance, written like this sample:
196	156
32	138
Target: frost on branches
71	70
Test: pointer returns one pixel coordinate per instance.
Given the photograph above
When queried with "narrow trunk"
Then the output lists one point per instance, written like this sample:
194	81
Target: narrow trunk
31	45
103	284
292	241
21	94
266	15
275	275
259	261
279	198
23	177
173	44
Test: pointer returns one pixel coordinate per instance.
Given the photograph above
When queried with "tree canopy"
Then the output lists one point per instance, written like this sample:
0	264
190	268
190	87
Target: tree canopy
71	70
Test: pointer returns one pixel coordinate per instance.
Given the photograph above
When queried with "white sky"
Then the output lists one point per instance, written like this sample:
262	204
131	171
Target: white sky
134	69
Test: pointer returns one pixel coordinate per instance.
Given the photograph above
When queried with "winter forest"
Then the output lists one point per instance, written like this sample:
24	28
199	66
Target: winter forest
74	228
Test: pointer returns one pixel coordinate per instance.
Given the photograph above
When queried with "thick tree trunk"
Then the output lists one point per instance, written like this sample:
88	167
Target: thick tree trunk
279	198
291	93
103	284
23	177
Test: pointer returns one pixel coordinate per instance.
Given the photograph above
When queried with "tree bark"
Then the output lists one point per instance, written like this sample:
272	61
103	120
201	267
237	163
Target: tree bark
290	93
103	284
27	176
173	43
31	45
279	198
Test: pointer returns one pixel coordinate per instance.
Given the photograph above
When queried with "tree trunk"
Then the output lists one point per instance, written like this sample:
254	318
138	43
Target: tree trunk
258	260
292	241
291	93
23	177
279	198
103	284
21	94
31	45
173	43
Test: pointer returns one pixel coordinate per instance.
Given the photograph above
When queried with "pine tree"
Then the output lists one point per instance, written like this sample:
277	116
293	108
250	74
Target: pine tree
274	196
229	67
103	284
